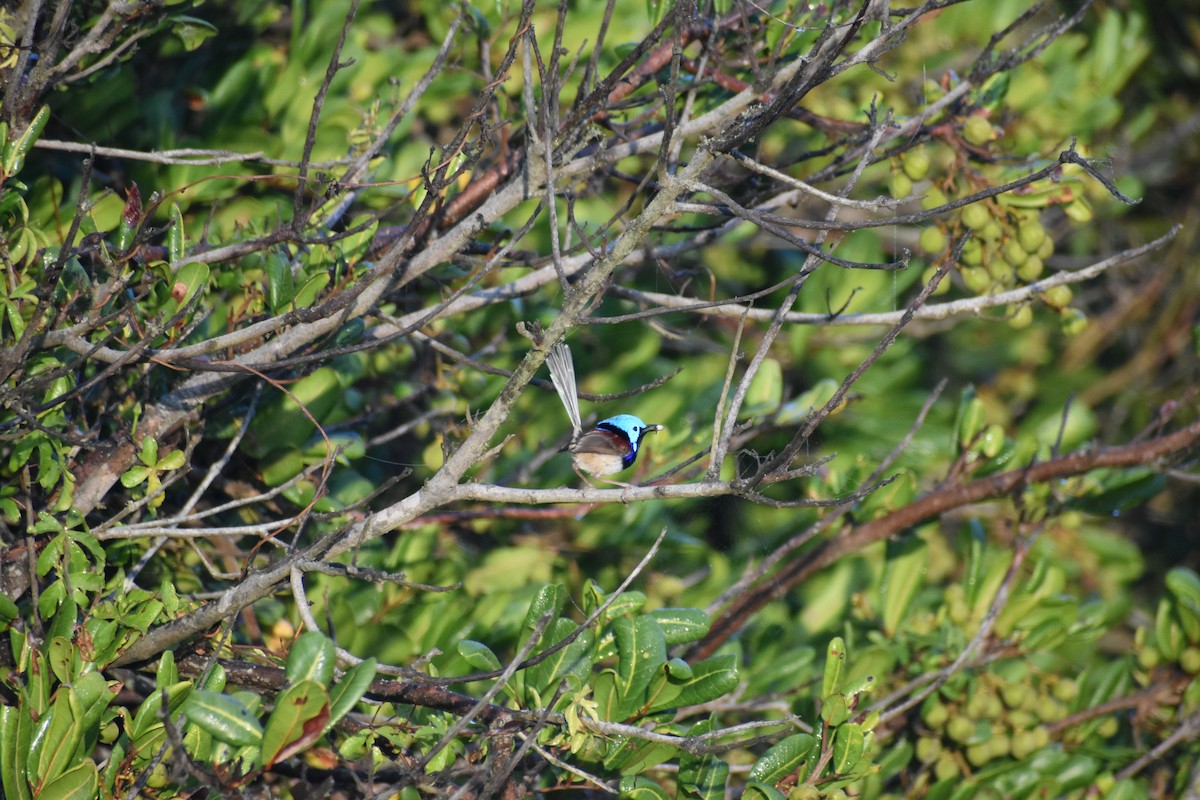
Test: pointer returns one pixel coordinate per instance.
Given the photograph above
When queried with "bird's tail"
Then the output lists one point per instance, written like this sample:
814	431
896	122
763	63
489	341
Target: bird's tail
562	375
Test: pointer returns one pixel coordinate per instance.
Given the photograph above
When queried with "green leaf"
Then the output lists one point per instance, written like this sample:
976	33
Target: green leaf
282	423
176	241
223	716
679	670
192	31
312	657
834	710
306	295
16	730
346	693
550	599
641	651
635	787
89	697
172	460
149	451
637	755
766	390
761	791
711	678
907	562
627	605
189	279
300	715
134	476
702	777
16	150
78	783
574	659
146	719
970	419
835	666
783	759
61	654
682	625
1168	633
279	281
848	745
54	741
478	655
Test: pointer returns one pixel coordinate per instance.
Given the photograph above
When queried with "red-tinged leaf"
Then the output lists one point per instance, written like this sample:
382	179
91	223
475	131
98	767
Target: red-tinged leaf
298	720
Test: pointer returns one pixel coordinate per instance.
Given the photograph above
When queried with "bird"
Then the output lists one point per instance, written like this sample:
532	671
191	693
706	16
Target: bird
609	447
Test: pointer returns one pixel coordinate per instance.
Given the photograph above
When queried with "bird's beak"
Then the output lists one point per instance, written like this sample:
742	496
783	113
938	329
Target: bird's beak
652	428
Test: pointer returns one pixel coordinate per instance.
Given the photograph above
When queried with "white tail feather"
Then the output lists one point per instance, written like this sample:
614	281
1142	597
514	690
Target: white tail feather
562	375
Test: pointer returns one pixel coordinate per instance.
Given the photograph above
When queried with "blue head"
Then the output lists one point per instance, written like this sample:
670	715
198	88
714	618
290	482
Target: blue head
631	428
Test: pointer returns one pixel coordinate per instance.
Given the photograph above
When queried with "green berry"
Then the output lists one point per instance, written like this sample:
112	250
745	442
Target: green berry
979	754
1001	271
1078	210
960	729
977	279
1148	658
990	444
946	767
1041	736
942	287
1189	659
1019	319
1031	269
1058	296
1023	743
972	253
1065	690
977	131
936	715
900	185
1031	235
1014	254
975	216
916	163
933	240
1072	321
933	198
928	749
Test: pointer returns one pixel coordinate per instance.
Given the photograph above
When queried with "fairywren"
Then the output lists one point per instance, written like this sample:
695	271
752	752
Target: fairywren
609	447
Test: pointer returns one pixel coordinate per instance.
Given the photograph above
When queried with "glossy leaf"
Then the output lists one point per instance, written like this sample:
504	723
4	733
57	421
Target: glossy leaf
848	745
16	731
702	777
639	788
346	693
682	625
574	659
78	783
835	666
478	655
642	651
312	657
783	759
223	716
711	678
299	719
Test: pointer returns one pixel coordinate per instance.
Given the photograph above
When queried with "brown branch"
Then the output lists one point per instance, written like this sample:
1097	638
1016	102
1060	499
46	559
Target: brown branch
1153	452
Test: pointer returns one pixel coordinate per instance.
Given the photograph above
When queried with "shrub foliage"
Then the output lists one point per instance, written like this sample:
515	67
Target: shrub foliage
281	496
